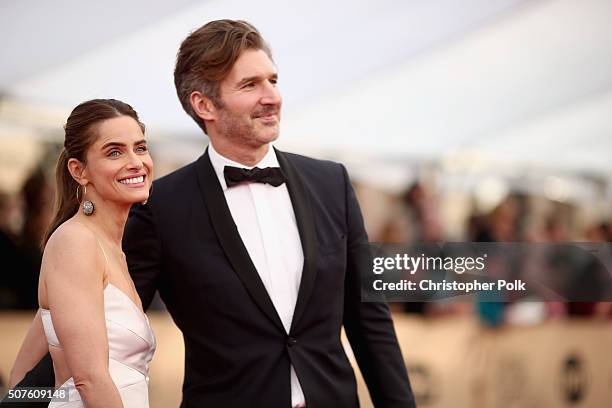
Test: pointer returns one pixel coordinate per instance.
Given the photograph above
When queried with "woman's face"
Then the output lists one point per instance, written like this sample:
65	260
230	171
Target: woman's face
119	167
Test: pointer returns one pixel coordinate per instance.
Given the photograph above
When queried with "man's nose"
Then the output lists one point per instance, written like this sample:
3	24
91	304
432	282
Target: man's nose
271	94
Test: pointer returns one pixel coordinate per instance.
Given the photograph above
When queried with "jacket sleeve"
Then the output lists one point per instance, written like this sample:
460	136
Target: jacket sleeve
368	325
142	247
41	375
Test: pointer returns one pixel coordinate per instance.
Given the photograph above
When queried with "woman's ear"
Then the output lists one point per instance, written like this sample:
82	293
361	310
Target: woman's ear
77	171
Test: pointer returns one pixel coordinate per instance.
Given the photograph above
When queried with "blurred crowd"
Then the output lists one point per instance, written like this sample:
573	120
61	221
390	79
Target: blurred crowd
417	218
24	218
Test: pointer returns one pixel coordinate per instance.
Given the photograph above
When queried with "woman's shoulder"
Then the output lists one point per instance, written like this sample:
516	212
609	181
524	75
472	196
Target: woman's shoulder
70	233
70	243
72	257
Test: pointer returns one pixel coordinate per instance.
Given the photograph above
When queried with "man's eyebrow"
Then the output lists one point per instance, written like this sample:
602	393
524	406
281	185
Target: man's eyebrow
255	78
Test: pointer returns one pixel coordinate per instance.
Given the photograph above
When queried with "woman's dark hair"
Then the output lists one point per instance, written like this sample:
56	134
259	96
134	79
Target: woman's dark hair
81	133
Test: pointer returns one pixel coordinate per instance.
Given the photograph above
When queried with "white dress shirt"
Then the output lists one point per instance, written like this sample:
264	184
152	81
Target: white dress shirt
265	220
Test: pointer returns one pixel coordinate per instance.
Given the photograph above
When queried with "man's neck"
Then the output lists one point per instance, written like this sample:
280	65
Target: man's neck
245	155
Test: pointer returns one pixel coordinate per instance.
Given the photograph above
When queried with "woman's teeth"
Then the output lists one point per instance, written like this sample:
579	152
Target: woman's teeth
133	180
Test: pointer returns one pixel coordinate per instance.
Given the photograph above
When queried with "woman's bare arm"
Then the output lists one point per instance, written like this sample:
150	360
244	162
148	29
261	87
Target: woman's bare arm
74	278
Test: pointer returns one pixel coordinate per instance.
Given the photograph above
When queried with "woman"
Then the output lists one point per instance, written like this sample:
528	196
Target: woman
90	317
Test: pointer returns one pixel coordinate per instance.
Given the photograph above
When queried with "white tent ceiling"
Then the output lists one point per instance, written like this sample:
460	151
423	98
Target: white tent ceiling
535	86
508	80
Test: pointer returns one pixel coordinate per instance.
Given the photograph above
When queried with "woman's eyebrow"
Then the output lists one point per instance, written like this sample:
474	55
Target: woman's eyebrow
120	144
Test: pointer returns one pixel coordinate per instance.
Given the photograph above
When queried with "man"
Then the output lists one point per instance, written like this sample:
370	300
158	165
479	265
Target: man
259	268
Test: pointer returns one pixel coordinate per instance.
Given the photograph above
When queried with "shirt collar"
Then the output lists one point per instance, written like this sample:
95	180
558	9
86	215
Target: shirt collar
219	162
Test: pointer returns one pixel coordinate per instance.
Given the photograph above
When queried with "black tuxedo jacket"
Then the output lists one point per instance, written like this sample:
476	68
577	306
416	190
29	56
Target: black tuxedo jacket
185	244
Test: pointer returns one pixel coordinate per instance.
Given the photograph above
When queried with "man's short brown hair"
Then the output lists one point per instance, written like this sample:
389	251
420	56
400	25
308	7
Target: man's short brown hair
206	57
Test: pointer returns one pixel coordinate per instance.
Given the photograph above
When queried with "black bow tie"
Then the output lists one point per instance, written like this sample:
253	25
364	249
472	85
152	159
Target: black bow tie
270	175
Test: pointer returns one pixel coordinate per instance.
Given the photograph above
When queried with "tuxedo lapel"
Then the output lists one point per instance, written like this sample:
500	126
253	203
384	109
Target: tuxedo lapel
229	237
300	200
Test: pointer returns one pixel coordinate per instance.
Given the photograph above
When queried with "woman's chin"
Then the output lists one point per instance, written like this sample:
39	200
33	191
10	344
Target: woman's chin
133	197
137	198
141	199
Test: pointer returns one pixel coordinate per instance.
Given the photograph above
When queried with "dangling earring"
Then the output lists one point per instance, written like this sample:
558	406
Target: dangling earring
88	207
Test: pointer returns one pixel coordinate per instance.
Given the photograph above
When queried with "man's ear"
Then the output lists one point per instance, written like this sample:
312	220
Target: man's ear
77	171
203	106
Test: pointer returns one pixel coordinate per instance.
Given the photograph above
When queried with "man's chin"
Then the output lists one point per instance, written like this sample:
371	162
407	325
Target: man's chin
268	136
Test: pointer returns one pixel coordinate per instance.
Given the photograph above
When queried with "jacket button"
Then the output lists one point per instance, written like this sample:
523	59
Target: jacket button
291	341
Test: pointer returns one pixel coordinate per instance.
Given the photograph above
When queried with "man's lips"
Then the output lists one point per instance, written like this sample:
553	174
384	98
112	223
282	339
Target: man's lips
267	117
266	114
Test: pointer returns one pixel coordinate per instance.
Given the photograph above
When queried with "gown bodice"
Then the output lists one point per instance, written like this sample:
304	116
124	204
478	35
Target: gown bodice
131	344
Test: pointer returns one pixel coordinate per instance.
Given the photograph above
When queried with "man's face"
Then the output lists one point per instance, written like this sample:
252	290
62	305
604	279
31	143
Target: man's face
249	112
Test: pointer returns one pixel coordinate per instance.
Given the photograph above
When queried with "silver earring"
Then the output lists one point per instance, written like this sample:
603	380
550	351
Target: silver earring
88	207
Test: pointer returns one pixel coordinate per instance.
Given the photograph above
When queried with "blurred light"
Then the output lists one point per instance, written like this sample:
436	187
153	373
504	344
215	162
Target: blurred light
19	153
384	176
557	189
490	192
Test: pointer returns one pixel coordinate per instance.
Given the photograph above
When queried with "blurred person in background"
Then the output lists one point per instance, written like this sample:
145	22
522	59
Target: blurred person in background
421	202
596	233
11	282
37	193
500	225
21	233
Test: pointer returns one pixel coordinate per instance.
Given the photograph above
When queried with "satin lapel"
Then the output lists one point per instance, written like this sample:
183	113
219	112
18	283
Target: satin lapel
302	207
229	237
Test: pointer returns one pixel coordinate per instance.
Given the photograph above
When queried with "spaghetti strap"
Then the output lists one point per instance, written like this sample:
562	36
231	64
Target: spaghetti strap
103	252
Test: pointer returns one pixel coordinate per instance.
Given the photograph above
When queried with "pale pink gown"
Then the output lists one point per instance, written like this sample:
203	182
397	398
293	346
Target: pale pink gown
131	344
